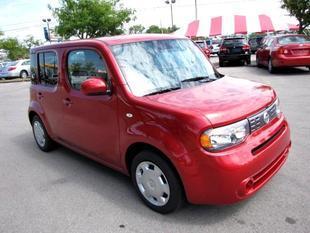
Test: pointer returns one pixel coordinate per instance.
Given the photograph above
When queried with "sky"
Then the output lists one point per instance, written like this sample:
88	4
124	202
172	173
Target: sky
20	18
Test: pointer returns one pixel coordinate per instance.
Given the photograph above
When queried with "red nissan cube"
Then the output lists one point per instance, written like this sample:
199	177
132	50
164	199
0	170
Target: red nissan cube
153	107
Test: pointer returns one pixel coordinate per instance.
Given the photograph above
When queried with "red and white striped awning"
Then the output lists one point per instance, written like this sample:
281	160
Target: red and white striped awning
235	24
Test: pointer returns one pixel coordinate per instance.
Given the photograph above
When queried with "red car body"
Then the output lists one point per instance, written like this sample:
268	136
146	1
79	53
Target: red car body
112	129
291	54
202	44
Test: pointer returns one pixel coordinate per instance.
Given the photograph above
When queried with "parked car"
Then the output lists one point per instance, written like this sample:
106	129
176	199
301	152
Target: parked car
234	49
255	43
215	46
284	51
204	46
153	107
20	68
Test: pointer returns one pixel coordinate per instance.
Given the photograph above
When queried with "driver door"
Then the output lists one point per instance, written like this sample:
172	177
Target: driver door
89	122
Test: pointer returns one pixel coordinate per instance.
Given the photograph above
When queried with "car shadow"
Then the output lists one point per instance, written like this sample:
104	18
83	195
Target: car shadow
113	186
285	71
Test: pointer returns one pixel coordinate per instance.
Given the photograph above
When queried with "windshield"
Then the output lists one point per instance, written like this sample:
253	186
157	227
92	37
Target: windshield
159	65
293	39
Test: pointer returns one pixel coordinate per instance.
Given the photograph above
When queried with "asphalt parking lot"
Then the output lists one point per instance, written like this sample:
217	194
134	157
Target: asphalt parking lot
62	191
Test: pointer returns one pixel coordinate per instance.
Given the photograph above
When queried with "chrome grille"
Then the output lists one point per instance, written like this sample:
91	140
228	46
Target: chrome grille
260	119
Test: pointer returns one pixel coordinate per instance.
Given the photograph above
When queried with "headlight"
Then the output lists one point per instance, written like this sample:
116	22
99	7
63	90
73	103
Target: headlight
277	104
224	137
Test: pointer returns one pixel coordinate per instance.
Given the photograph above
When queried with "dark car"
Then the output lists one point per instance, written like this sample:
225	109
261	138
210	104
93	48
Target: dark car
255	43
234	49
284	51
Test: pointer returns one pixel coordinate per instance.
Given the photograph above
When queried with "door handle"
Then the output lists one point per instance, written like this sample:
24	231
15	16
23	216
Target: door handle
67	102
40	96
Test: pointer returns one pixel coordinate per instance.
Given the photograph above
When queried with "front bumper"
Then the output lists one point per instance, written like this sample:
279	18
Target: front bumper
286	61
240	171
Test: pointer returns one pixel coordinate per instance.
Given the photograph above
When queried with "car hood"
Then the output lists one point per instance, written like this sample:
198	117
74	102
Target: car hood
222	101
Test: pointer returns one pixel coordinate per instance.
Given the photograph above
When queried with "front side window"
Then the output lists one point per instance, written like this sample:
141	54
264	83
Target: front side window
152	66
83	64
48	68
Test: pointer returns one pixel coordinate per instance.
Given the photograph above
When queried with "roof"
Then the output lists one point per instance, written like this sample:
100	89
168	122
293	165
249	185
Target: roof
112	40
124	39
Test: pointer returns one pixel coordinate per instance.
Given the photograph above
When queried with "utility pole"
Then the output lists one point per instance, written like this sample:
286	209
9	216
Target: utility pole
171	10
196	15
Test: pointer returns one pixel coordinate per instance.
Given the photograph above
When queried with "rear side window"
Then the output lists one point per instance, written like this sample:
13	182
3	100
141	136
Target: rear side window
83	64
26	63
48	68
293	39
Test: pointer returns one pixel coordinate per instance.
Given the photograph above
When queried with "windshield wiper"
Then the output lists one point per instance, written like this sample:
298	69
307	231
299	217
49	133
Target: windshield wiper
163	91
198	78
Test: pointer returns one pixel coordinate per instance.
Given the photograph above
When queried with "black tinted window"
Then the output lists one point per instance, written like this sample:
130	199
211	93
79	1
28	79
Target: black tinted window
231	42
83	64
48	68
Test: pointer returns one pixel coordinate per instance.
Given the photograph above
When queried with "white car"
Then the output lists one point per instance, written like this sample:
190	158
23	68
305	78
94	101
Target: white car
20	68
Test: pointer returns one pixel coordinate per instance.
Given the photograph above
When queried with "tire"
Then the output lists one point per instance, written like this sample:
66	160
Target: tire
23	74
258	64
221	63
248	61
43	140
150	172
271	68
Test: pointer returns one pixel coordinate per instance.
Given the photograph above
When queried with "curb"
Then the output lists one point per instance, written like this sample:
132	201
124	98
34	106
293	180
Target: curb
14	80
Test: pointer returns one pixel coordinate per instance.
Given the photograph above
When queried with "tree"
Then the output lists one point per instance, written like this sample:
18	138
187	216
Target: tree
30	42
91	18
154	29
135	29
16	50
300	9
157	29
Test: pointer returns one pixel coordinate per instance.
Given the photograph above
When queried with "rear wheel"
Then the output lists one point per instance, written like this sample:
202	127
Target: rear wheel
156	183
44	142
221	63
271	68
23	74
248	61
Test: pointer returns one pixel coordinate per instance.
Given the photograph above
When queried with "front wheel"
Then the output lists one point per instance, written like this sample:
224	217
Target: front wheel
44	142
156	182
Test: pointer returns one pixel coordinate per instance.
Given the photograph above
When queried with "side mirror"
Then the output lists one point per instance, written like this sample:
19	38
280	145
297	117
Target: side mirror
94	86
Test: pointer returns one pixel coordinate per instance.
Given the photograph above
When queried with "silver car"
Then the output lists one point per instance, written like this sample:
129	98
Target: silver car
20	68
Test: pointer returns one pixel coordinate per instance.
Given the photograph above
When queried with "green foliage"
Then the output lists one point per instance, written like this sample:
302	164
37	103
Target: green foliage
91	18
157	29
30	42
300	9
136	29
16	50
